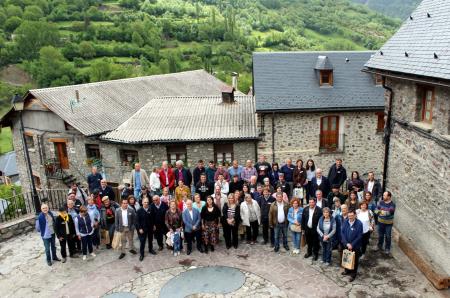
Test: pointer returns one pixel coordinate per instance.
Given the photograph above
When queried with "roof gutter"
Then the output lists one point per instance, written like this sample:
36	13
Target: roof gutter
335	109
387	134
406	77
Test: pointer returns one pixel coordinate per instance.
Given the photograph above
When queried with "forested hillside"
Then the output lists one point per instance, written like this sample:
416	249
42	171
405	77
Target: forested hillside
394	8
60	42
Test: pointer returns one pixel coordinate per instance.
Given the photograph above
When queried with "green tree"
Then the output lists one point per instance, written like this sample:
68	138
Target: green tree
32	36
33	13
137	39
13	11
100	70
86	50
12	23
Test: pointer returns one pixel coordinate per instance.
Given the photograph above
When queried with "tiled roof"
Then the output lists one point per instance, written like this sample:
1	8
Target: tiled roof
199	118
421	46
105	105
288	81
8	164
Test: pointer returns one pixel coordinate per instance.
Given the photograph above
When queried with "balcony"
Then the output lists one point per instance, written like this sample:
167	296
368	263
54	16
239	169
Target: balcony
332	143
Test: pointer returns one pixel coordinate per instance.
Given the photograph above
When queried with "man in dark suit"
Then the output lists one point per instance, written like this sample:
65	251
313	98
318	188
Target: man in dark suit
310	220
337	173
106	190
144	228
319	183
351	238
158	211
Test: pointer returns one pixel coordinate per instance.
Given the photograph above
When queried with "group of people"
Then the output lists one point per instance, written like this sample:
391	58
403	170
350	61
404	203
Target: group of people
177	206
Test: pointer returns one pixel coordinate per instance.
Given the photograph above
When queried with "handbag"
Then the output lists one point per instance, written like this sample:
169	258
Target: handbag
296	228
348	259
298	193
117	241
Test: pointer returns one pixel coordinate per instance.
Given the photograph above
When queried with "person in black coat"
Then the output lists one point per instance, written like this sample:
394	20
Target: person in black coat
309	227
182	172
106	190
236	184
337	173
144	228
204	188
65	231
285	187
231	218
200	169
319	183
158	211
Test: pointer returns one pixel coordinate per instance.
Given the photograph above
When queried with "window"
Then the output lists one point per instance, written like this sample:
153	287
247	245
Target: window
380	122
92	151
128	157
427	102
329	133
326	78
176	152
223	153
29	140
378	80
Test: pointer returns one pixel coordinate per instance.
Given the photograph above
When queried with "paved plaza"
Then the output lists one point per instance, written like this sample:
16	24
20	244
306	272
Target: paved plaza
250	270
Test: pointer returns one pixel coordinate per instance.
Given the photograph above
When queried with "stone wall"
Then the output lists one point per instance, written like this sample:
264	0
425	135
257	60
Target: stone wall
17	227
297	135
418	173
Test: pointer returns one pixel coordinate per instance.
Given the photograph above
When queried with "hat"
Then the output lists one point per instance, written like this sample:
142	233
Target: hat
105	198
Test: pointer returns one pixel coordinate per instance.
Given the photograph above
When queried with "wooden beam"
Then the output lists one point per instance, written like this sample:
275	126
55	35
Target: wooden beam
58	140
439	280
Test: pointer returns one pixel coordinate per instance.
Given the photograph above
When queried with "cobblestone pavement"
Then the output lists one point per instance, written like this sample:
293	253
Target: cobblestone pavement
24	273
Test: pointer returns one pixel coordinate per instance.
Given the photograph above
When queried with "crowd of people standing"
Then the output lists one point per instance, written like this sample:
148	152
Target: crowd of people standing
177	206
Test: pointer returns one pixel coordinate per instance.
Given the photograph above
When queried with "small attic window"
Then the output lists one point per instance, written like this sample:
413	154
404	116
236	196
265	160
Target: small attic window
378	80
326	78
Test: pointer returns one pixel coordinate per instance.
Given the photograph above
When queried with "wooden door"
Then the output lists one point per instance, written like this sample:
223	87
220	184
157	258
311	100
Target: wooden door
61	153
329	133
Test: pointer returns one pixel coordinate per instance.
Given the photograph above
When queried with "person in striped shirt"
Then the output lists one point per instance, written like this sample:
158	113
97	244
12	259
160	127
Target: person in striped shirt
385	211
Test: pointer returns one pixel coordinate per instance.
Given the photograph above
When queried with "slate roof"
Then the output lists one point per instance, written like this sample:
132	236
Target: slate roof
105	105
200	118
323	63
8	164
421	38
288	81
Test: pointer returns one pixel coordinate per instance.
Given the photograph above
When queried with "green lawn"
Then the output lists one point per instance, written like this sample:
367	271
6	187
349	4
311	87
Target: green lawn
5	140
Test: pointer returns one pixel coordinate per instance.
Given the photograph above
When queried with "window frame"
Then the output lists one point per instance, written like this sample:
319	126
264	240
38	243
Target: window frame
180	152
29	139
223	149
123	155
324	144
88	150
330	77
378	80
381	123
423	100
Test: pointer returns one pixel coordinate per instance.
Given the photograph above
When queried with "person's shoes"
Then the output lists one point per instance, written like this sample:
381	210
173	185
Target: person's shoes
286	248
151	251
160	248
276	249
252	243
108	246
201	250
74	256
316	258
212	248
133	251
387	253
141	258
122	255
352	278
56	260
344	273
63	260
327	264
378	249
321	262
272	245
188	252
84	257
97	246
307	255
235	246
206	249
265	242
93	255
228	247
49	263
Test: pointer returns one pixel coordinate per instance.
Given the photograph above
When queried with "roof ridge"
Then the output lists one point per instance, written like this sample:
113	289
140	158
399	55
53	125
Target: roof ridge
313	52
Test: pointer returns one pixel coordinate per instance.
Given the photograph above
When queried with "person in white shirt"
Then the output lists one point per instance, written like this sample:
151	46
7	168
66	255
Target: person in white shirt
366	217
223	184
310	220
279	222
125	221
155	183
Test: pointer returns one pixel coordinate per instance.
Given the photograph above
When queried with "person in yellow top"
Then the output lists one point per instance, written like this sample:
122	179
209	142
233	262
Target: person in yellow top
179	191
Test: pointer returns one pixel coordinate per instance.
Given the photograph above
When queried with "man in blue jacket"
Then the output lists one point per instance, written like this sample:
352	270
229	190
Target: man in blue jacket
45	225
192	228
351	236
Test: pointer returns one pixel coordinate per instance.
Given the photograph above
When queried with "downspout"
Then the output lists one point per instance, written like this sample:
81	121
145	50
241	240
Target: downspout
387	134
273	136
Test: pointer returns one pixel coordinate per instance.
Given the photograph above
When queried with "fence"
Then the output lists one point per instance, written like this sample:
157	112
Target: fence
22	204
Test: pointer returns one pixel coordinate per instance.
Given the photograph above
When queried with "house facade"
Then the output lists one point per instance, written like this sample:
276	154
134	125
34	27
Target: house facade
416	70
66	128
320	106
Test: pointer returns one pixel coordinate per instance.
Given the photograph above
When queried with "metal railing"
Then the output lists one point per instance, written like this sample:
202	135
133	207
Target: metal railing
332	143
22	204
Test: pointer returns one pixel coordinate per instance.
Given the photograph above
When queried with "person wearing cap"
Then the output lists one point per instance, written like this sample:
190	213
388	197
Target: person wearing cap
65	231
235	184
335	193
107	217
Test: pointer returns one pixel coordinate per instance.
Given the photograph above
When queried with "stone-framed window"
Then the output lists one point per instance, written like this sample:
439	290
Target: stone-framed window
380	122
426	102
29	139
326	78
223	153
128	157
329	133
93	151
176	152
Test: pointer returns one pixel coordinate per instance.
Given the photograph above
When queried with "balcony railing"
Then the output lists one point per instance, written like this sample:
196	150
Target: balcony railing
330	143
53	168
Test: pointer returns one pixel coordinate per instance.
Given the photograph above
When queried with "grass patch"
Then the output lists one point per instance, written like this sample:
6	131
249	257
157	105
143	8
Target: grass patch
6	140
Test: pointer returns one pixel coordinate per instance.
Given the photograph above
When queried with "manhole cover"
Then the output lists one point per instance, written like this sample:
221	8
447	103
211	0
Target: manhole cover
213	280
120	295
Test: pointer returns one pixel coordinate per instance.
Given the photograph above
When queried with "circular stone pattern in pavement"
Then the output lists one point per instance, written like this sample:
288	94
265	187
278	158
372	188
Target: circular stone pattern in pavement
199	282
215	280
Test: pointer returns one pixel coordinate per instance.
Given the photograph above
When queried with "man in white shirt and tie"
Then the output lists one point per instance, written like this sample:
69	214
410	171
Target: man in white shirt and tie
278	221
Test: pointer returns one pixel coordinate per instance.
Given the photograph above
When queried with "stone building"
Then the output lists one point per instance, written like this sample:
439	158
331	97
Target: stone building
113	124
319	105
416	70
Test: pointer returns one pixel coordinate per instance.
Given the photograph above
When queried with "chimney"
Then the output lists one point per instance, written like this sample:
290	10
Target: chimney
77	96
234	80
228	94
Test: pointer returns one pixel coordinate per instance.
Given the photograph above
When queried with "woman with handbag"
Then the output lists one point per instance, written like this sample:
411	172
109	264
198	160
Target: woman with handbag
230	222
326	230
174	224
299	180
295	219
